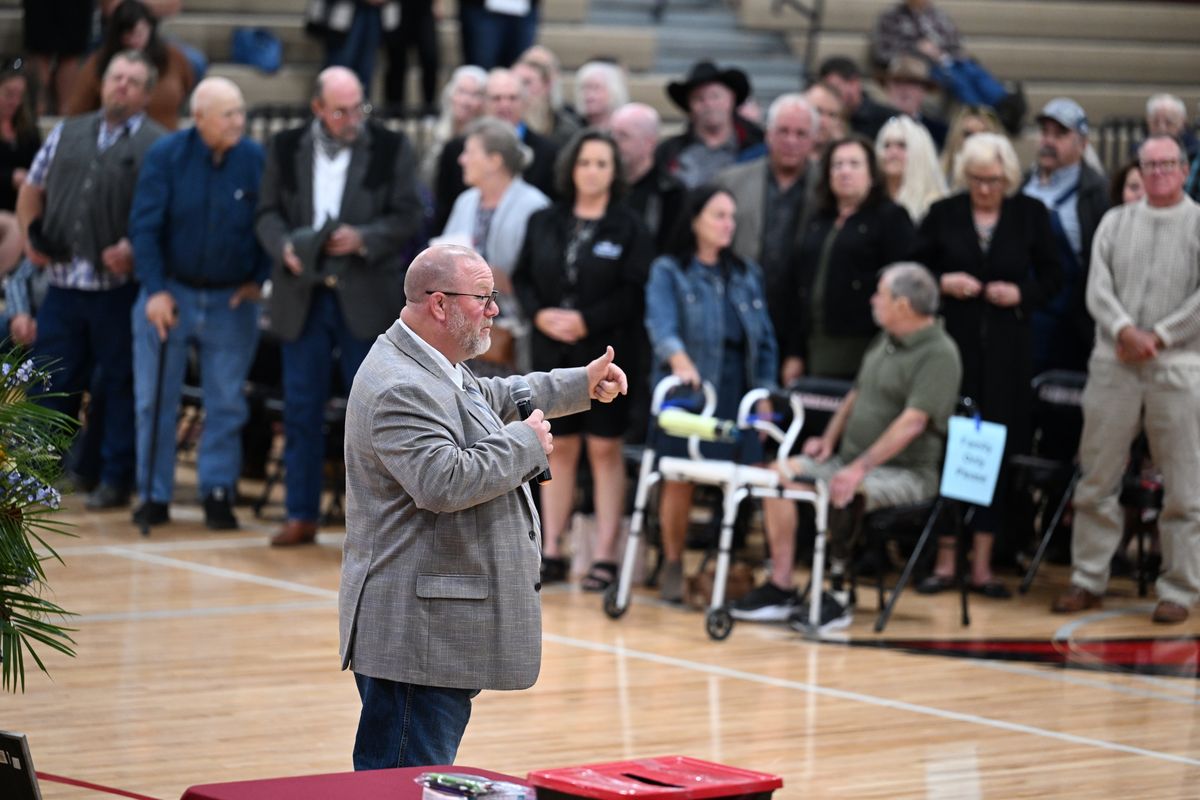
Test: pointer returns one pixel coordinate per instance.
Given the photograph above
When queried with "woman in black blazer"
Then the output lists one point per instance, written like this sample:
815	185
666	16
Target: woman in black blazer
581	278
994	254
855	232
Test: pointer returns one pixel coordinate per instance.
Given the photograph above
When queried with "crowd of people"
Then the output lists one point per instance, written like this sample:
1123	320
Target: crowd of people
845	236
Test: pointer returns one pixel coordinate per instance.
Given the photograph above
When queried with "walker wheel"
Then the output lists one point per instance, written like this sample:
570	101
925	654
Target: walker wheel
718	623
611	607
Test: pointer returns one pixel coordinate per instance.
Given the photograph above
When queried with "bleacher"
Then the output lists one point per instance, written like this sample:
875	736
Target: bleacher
1109	55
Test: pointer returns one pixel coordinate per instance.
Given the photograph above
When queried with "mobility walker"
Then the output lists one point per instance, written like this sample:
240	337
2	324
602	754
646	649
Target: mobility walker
736	482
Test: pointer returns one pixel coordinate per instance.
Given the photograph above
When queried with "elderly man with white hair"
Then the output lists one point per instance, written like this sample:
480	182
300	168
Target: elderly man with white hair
772	196
1144	375
882	448
201	270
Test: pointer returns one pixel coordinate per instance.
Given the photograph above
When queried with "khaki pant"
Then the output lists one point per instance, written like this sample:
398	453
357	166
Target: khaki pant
1119	401
883	487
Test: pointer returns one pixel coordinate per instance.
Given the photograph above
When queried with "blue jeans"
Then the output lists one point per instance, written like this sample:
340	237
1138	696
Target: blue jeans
307	372
357	49
970	83
225	340
492	40
403	725
78	331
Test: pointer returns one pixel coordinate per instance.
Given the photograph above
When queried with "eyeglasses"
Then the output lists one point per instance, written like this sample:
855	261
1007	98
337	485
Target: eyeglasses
11	65
486	299
1169	165
988	181
354	112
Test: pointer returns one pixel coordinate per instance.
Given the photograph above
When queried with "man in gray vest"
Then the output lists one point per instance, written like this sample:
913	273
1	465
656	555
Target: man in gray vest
74	209
338	204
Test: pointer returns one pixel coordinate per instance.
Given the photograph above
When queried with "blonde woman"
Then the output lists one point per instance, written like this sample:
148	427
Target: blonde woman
967	121
909	165
539	72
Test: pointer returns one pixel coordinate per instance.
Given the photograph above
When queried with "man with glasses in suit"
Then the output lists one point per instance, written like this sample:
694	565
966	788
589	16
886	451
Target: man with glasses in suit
339	203
440	582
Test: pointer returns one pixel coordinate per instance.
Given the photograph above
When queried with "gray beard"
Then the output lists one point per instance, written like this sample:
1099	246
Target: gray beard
472	343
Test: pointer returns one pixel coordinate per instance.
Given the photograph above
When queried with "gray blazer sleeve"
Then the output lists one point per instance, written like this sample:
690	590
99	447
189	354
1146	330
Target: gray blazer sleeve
414	439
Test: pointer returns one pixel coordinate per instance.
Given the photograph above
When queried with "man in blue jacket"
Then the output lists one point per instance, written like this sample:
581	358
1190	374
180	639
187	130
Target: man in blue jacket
201	271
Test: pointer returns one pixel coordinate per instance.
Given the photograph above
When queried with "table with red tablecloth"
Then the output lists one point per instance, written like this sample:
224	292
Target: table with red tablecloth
385	784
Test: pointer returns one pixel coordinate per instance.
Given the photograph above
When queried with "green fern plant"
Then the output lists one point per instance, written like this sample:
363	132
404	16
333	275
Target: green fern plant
33	440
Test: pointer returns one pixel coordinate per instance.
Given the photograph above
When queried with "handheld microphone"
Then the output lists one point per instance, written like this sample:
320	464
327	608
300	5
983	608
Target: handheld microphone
520	394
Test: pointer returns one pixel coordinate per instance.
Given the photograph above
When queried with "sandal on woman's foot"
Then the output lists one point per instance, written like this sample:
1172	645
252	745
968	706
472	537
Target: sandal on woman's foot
993	589
935	584
599	576
554	570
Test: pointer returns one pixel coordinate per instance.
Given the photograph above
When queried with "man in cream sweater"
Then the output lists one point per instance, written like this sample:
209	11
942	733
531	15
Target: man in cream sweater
1143	291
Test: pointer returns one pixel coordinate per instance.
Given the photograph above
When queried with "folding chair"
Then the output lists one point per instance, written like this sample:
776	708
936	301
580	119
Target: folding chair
1058	422
882	523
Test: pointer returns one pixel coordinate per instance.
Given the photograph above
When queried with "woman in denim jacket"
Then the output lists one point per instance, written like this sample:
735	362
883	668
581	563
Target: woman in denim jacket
706	314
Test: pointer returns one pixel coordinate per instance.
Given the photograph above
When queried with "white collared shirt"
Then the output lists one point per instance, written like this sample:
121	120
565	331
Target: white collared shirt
453	372
329	184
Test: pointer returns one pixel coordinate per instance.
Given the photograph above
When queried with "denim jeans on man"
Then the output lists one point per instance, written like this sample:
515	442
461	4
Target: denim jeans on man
491	39
404	725
307	373
357	49
79	330
969	82
225	340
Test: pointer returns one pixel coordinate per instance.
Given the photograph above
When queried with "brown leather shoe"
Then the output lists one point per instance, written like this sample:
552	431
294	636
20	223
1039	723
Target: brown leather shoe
294	532
1074	600
1169	613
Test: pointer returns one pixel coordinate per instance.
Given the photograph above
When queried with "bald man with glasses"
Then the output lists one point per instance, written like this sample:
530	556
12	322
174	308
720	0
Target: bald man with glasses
338	207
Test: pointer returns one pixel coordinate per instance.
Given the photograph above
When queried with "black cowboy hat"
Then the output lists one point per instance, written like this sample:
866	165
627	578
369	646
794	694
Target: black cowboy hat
703	72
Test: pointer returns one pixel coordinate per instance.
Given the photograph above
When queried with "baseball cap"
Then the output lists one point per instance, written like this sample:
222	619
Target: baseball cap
1066	112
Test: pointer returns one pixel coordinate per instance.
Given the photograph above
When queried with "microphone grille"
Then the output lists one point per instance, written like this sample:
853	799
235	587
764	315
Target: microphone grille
519	390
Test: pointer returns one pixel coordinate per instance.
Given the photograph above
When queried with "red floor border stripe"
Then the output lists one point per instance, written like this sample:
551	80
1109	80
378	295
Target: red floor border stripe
46	776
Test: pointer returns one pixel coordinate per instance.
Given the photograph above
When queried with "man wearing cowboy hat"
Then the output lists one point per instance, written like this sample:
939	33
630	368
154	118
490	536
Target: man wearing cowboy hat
908	82
716	136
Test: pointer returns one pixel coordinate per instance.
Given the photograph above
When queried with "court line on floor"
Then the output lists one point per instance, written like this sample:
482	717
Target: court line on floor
221	543
208	611
221	572
699	666
1067	632
866	699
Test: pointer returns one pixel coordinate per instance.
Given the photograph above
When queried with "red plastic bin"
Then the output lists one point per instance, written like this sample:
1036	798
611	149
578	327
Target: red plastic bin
659	778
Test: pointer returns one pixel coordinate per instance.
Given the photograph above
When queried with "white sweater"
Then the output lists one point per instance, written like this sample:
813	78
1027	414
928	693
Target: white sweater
1145	271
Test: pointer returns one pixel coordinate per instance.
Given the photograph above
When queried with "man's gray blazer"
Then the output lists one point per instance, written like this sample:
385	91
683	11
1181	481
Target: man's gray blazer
440	572
380	200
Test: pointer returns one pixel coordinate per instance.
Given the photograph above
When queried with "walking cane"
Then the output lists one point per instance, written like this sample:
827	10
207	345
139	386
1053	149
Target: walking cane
158	388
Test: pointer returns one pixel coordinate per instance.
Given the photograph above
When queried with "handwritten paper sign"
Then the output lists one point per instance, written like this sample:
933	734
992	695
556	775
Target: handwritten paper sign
974	451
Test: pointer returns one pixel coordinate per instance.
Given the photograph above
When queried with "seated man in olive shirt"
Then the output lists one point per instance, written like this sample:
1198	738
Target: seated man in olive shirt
892	428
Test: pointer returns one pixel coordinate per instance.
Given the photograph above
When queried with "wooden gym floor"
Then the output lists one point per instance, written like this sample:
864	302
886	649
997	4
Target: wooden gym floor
208	657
